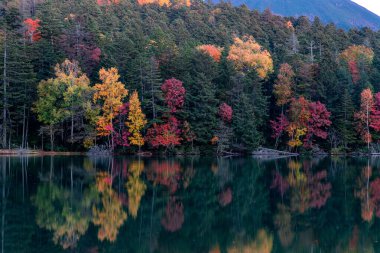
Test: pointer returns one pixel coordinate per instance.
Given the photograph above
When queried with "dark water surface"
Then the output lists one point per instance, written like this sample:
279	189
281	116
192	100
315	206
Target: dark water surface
83	204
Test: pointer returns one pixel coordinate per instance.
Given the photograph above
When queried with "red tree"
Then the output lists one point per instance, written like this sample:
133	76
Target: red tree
225	112
174	94
279	126
32	33
166	135
318	122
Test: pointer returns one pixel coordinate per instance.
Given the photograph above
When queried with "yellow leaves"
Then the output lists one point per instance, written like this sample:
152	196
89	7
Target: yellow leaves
135	187
356	53
111	92
248	55
110	216
136	120
263	243
295	134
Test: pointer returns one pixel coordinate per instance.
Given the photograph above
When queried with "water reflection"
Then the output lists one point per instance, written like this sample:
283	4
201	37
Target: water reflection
82	204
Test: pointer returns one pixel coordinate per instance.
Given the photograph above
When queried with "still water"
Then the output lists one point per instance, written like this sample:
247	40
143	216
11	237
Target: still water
194	204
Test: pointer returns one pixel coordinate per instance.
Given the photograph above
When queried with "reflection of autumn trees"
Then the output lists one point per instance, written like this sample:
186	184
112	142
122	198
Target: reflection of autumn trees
109	215
225	197
368	192
174	216
166	172
263	243
308	190
135	187
58	211
283	222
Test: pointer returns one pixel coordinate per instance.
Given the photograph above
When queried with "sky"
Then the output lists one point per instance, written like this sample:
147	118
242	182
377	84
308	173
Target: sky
372	5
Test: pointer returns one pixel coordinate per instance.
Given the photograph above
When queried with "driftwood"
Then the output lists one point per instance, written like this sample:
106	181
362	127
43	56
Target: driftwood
272	152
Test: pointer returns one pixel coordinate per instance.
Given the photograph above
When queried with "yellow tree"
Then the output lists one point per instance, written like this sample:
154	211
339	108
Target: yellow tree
135	187
77	90
109	215
111	92
247	54
136	120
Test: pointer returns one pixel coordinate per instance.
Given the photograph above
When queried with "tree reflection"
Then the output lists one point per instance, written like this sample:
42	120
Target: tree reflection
263	243
174	217
167	173
308	190
135	187
363	193
57	211
109	215
283	222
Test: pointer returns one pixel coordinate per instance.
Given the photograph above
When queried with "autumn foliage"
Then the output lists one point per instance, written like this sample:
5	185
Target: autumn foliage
174	215
363	115
213	51
32	33
247	54
284	83
158	2
136	120
225	112
111	93
166	134
305	121
357	56
174	94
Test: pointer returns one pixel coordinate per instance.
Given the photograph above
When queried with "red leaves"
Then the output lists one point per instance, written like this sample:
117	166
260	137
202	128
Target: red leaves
319	191
174	217
32	33
167	173
166	135
225	112
354	70
318	122
174	94
279	125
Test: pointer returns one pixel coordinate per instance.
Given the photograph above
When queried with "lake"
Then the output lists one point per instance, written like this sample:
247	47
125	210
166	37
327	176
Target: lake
189	204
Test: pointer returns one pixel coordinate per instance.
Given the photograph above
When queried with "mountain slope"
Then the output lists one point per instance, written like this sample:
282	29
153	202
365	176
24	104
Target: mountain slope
344	13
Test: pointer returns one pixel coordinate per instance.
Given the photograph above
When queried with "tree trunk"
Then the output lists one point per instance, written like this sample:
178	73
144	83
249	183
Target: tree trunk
51	138
23	127
72	128
4	140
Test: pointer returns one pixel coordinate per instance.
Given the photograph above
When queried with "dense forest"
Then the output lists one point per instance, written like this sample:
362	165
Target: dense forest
183	77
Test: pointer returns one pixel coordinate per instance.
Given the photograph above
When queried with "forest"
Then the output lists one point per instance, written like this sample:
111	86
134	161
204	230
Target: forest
183	77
